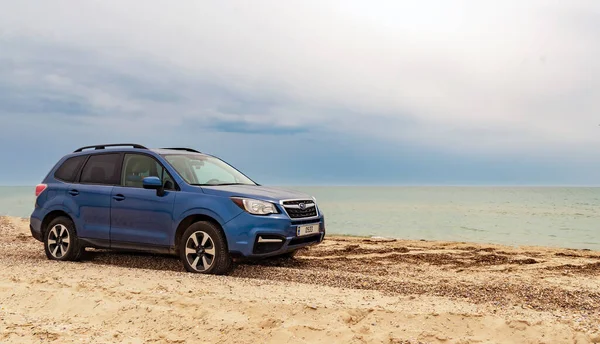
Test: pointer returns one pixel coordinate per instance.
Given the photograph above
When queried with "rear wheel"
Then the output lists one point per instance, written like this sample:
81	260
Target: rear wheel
203	249
60	240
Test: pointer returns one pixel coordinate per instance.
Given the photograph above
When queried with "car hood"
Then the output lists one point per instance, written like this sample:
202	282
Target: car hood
263	193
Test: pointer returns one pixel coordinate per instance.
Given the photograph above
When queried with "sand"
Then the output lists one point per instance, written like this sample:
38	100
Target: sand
347	290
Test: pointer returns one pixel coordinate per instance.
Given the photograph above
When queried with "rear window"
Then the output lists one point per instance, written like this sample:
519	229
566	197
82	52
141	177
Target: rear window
67	172
101	169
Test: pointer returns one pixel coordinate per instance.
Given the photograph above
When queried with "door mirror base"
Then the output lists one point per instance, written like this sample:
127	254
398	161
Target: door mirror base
154	183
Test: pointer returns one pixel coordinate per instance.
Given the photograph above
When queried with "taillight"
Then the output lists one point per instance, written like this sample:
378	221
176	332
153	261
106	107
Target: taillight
39	189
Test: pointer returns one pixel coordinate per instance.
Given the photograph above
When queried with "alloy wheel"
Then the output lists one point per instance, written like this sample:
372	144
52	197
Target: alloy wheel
58	241
200	251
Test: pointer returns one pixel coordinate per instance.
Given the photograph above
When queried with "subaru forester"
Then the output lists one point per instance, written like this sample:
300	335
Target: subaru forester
170	200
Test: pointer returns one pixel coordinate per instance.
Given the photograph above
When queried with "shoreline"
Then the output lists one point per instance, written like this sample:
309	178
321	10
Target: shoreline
391	238
348	289
471	243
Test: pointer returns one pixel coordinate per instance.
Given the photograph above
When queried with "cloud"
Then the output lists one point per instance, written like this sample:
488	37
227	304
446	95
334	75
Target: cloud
241	127
466	78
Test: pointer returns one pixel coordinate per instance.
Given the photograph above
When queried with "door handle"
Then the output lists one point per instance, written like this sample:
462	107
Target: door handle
73	192
118	197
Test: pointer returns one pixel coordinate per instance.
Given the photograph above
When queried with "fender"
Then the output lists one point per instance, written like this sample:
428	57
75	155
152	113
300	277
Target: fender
195	212
188	203
199	211
37	220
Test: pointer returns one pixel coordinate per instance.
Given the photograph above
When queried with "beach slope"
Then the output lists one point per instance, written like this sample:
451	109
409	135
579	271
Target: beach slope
347	290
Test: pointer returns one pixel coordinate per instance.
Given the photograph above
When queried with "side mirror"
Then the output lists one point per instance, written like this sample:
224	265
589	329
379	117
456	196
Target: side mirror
154	183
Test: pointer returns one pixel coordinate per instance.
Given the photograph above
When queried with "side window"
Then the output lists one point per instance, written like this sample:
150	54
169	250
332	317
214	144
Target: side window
101	169
138	166
67	172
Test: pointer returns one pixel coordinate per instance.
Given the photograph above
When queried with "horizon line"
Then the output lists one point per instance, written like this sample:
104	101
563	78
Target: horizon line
395	185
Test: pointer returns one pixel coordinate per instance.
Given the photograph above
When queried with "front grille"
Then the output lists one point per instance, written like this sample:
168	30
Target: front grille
299	213
296	211
286	203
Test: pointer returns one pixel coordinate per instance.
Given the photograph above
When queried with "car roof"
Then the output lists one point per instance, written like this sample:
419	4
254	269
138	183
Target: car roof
175	151
131	147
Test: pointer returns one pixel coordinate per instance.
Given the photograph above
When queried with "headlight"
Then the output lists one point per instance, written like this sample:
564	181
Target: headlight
255	207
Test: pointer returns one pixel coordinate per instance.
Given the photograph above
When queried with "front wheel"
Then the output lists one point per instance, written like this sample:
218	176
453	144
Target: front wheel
203	249
60	240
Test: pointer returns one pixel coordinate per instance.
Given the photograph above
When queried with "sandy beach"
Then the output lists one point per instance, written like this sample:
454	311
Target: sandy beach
347	290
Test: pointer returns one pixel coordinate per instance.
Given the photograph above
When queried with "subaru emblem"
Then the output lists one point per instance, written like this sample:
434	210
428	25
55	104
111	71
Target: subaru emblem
302	205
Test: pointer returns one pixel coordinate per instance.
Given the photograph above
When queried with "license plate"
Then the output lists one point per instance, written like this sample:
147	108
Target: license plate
307	230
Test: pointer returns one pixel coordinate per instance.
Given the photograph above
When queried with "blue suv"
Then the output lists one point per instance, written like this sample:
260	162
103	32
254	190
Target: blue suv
170	200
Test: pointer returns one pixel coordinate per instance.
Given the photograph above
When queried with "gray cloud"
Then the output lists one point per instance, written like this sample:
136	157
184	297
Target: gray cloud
469	76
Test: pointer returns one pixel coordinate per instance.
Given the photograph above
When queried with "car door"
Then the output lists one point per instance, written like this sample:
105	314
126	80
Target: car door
90	197
140	216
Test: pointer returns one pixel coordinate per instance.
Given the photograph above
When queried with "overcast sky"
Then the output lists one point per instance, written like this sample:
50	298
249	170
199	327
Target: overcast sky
310	92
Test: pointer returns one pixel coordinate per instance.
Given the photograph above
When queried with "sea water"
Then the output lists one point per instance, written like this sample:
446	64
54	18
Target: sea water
547	216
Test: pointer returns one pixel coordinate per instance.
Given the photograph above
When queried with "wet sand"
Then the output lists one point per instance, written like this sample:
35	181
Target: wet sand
346	290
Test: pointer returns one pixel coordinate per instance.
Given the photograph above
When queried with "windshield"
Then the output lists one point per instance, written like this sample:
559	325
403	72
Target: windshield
198	169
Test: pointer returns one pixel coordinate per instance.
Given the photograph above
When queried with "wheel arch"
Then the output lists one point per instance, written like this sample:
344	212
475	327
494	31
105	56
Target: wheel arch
51	216
190	220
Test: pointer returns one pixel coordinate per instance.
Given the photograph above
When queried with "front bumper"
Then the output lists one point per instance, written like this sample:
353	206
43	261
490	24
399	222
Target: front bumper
265	236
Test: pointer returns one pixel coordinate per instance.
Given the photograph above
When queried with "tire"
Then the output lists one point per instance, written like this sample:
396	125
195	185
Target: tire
203	249
61	241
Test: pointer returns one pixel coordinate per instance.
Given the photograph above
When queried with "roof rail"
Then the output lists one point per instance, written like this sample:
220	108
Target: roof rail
183	149
97	147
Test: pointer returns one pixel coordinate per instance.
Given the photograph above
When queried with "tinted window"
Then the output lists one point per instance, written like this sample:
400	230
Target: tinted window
101	169
68	170
138	166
